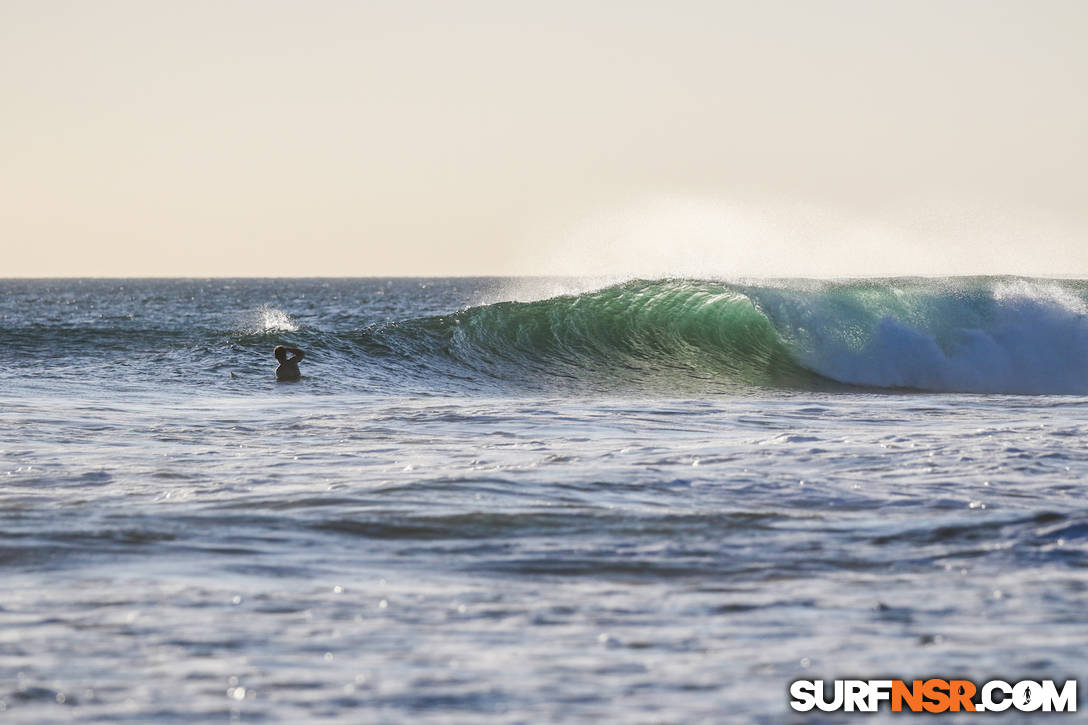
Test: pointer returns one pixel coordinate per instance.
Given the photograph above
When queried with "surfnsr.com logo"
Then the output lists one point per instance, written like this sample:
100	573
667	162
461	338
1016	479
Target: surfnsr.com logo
934	695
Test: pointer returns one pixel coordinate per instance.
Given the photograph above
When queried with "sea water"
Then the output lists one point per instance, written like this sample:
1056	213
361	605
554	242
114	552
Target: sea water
650	501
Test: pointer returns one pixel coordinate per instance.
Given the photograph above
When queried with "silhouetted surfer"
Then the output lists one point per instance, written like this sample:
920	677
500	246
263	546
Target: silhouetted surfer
288	372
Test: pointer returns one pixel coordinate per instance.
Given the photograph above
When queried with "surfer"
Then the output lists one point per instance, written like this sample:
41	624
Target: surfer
288	368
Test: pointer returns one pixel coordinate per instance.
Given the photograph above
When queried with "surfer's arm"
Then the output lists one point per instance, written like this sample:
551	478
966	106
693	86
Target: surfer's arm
298	354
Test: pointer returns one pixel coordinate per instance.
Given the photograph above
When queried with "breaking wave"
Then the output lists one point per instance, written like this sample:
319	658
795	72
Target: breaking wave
983	335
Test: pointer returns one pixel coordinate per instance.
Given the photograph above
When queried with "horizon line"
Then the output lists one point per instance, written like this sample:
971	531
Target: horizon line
613	277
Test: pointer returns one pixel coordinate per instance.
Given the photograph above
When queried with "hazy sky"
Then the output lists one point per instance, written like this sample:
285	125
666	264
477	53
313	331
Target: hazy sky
448	138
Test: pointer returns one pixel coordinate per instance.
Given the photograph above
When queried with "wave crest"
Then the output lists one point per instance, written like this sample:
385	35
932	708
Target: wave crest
984	335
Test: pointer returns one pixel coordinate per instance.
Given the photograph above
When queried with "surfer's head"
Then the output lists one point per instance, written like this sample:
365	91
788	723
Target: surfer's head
280	352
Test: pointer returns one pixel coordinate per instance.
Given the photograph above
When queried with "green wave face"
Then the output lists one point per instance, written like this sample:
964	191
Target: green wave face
991	335
666	336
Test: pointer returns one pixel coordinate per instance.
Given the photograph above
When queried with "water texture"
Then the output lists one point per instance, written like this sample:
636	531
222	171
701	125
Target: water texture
652	501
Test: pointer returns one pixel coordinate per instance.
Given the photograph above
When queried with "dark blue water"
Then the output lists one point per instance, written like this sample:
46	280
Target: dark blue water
660	501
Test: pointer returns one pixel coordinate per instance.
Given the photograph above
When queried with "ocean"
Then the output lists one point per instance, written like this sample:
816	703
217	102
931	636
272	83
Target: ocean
534	500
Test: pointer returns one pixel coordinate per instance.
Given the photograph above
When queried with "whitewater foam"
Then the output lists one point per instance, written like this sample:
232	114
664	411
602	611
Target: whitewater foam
981	336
